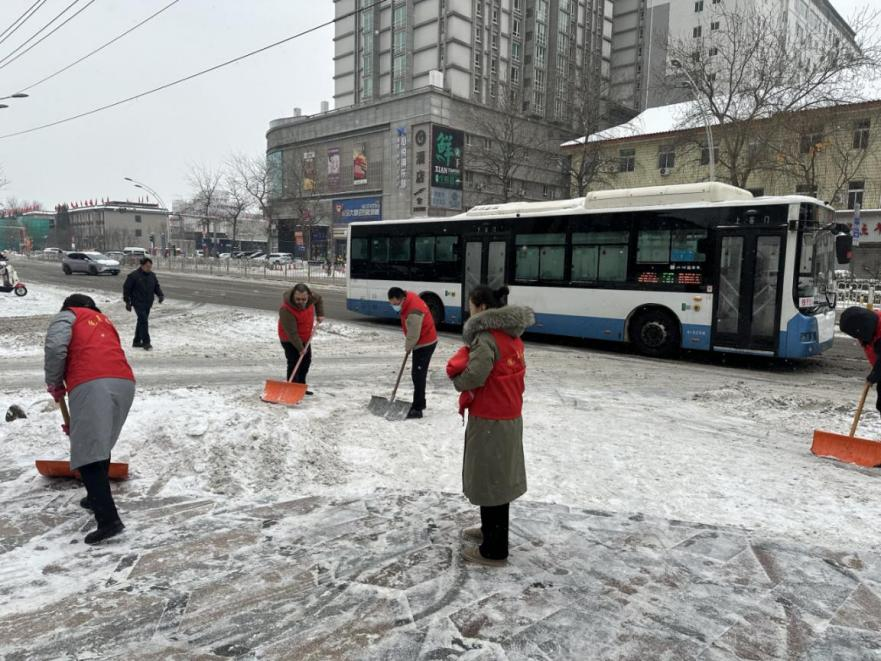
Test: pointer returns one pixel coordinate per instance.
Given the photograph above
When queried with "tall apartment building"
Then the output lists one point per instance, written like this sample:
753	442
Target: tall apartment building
541	47
644	30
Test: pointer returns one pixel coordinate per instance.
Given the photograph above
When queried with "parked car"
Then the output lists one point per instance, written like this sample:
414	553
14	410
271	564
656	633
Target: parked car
53	253
240	254
93	263
280	258
118	255
135	251
259	254
224	255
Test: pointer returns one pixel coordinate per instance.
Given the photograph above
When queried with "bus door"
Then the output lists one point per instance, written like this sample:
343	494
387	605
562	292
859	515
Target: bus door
484	265
748	290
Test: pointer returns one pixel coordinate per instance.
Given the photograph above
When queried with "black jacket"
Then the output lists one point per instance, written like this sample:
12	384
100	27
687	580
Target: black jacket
139	289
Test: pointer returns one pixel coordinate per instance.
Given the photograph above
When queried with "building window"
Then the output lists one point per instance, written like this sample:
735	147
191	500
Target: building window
478	34
666	157
713	51
469	177
400	40
699	5
469	139
495	41
478	58
517	5
714	25
493	65
400	16
138	233
137	219
757	192
545	191
809	142
495	15
476	84
515	75
696	32
398	86
855	190
478	10
487	143
626	160
516	27
705	154
806	189
861	134
515	51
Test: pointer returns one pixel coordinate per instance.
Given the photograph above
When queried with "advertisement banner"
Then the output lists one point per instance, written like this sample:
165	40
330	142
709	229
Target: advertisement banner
421	149
333	168
359	165
357	209
309	174
446	157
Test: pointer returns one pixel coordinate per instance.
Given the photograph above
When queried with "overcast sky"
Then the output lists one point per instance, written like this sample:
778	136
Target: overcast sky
155	139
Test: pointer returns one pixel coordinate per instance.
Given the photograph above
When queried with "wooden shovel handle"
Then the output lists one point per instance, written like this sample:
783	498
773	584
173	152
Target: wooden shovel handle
302	354
856	417
62	404
400	374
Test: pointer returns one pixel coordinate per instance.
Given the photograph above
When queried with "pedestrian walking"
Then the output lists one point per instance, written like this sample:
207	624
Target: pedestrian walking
300	310
140	288
493	467
420	338
84	359
865	326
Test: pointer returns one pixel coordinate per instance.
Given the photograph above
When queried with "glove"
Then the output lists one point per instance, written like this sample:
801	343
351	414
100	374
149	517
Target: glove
161	298
873	377
66	429
57	392
320	319
128	307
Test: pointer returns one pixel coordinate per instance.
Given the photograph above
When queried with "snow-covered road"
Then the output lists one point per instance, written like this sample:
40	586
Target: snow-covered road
604	431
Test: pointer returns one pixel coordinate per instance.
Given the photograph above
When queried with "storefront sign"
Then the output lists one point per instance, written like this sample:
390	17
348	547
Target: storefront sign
333	168
309	174
402	157
446	167
359	165
357	209
421	149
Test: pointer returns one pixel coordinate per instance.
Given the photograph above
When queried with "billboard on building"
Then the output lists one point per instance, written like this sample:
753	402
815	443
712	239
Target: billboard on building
357	209
421	153
446	167
309	174
333	168
359	165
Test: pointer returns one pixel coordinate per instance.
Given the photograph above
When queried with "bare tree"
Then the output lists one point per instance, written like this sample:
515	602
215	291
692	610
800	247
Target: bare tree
205	182
257	180
755	67
238	201
3	180
505	144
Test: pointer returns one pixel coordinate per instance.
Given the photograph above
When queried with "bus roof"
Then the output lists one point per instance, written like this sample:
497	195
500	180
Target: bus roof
624	199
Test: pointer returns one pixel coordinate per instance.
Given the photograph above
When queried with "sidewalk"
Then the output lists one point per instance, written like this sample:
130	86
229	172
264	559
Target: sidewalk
381	578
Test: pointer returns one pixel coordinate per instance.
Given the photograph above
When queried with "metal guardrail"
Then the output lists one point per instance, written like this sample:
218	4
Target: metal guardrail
859	292
239	268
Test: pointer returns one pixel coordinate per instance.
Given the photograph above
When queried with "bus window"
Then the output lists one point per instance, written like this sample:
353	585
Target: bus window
540	257
446	249
424	253
379	250
360	249
599	256
686	246
653	247
399	249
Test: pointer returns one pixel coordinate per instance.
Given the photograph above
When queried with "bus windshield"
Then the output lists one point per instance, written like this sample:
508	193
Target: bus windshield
816	286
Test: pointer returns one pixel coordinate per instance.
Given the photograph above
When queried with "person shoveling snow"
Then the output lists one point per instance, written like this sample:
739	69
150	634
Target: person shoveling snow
83	356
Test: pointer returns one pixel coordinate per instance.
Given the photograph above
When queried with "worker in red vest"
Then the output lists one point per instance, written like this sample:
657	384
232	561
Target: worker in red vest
420	339
865	326
300	310
84	358
494	469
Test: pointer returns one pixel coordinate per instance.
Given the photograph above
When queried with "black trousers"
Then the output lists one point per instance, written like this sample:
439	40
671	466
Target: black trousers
292	355
419	371
494	526
97	485
142	329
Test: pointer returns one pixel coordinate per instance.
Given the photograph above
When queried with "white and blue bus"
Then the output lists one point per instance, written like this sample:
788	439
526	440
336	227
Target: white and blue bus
696	266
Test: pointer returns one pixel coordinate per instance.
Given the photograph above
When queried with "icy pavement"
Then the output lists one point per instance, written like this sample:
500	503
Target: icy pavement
380	577
259	531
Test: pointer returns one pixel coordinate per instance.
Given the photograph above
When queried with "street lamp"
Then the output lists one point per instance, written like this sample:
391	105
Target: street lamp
143	186
697	97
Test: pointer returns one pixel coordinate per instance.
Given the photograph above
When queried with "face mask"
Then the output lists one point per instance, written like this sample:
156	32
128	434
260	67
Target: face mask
396	308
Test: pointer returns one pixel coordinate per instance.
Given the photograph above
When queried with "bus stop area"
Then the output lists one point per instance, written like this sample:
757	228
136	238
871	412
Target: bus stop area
674	510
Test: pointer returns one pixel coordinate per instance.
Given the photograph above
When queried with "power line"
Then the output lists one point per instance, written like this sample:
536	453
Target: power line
195	75
9	59
100	48
30	11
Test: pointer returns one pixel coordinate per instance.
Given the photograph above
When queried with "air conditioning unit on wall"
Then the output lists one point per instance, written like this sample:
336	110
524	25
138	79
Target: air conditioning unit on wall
665	172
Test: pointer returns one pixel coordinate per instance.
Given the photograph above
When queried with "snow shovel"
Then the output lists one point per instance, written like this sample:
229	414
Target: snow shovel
850	449
287	392
61	468
391	409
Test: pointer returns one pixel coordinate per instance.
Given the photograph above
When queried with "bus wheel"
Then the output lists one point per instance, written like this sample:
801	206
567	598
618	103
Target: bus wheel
655	333
435	307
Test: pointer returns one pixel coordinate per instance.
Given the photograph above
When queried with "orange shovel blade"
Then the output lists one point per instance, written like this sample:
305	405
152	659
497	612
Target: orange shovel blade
851	449
283	392
60	468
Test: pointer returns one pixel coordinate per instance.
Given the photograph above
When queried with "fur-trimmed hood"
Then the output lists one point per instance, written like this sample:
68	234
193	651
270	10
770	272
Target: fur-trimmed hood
512	319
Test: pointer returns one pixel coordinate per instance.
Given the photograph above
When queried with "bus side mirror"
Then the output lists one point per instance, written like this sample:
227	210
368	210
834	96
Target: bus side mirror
843	248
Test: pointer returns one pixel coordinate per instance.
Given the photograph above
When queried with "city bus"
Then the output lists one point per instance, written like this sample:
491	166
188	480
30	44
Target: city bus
696	266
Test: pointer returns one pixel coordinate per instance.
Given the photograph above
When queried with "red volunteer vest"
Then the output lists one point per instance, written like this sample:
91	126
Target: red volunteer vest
305	321
870	347
94	351
501	397
412	303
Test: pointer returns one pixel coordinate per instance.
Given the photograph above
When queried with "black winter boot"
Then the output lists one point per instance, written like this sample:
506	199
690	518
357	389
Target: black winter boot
106	532
84	503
